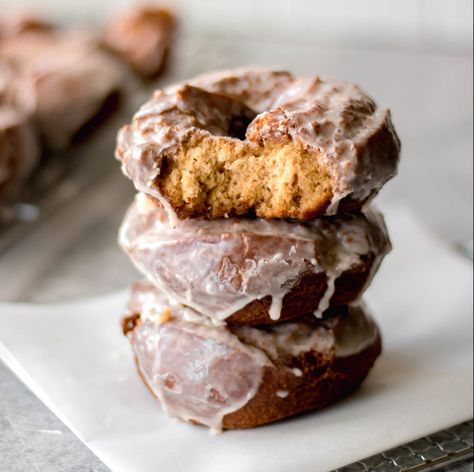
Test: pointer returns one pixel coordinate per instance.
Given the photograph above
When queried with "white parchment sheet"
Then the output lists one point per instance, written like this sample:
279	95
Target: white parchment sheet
75	359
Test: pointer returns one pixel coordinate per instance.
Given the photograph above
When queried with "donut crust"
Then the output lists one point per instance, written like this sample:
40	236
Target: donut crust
322	384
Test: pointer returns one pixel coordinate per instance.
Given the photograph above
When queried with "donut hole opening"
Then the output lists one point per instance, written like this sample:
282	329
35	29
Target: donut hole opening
238	127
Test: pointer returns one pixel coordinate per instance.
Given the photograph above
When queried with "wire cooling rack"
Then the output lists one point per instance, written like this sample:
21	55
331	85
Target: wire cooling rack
440	450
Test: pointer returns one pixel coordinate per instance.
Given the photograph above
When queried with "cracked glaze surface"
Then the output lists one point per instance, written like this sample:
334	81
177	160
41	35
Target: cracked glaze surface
219	266
201	372
335	121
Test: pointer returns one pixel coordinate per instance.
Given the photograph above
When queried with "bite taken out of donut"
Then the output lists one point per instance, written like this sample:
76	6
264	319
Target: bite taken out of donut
259	141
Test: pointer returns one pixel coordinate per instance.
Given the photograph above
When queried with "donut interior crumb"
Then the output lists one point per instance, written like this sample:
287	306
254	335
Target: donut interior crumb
220	176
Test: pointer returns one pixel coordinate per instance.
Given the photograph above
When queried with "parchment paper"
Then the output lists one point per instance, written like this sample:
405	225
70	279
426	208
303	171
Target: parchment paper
75	359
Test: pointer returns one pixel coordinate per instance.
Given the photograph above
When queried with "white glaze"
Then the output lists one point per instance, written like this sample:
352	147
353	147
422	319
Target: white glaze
275	307
326	298
296	372
289	339
217	267
282	393
337	119
348	135
200	372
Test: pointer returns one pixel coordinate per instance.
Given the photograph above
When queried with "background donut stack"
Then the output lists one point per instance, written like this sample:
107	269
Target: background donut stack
248	226
58	84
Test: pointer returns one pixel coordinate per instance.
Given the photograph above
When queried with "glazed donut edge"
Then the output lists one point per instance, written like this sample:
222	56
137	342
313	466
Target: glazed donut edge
253	376
262	142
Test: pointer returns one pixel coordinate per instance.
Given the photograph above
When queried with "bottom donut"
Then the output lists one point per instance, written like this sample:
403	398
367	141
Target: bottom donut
229	376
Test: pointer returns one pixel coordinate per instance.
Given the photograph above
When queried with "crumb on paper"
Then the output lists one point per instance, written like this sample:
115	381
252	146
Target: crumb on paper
165	316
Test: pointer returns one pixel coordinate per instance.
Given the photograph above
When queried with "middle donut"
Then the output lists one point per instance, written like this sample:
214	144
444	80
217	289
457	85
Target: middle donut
255	271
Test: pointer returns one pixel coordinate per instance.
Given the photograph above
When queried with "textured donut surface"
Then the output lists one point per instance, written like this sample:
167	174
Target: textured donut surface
255	271
259	141
241	377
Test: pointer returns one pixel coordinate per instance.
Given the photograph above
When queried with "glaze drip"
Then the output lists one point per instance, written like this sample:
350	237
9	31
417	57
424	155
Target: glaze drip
198	371
218	267
201	372
335	121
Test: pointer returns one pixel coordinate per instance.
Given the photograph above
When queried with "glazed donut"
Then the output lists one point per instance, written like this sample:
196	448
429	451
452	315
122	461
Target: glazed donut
255	271
17	22
242	377
19	148
71	76
142	38
259	141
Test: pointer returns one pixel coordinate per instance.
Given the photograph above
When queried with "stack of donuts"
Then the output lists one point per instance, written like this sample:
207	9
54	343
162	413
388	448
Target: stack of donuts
254	229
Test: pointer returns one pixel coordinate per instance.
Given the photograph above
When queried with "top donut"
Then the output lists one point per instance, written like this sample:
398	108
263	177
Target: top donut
260	142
